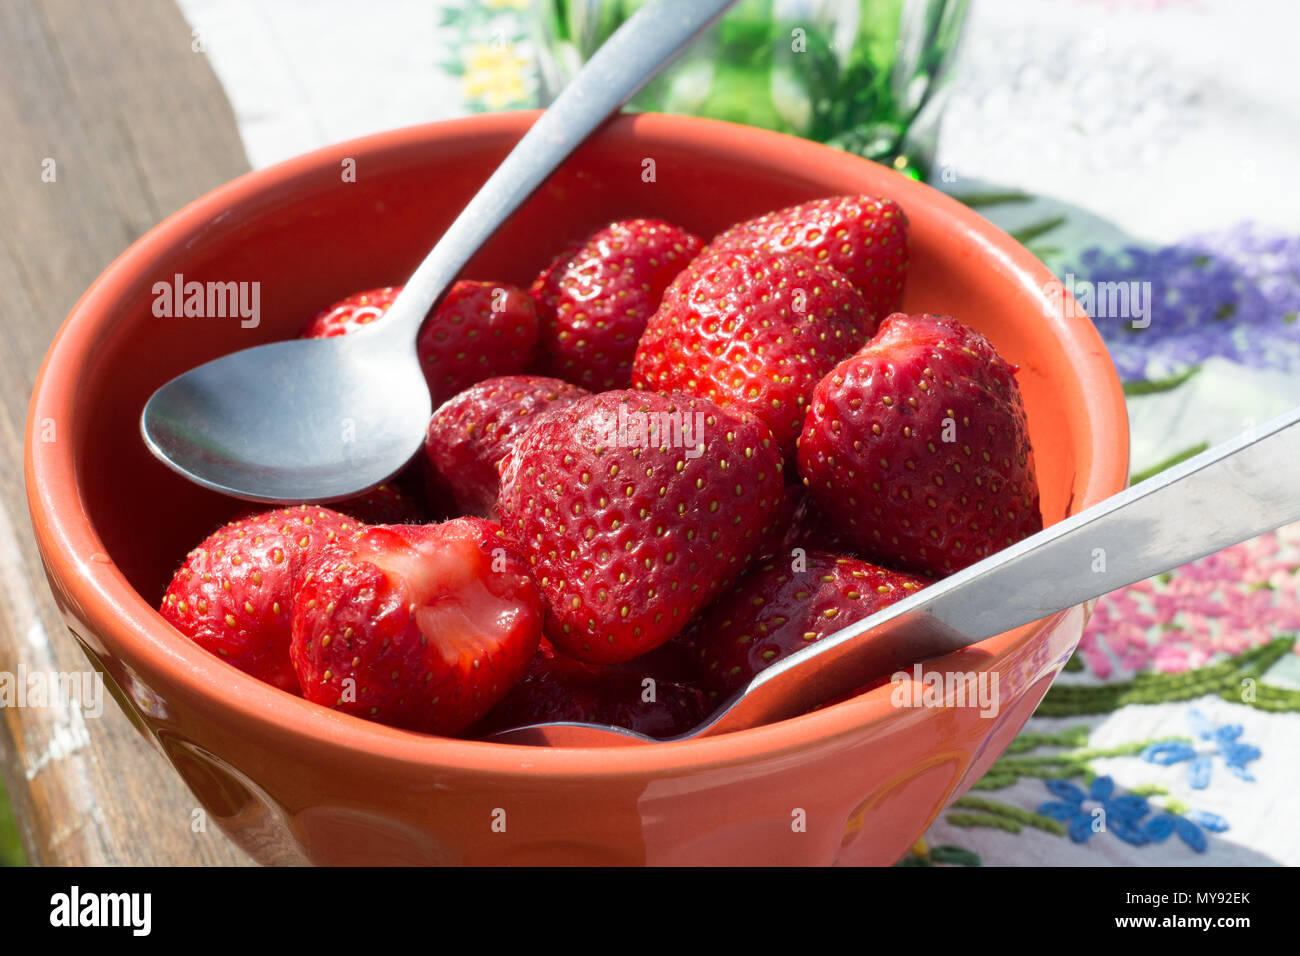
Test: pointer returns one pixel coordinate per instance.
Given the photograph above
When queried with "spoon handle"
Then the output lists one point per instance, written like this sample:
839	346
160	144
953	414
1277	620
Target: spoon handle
646	42
1232	492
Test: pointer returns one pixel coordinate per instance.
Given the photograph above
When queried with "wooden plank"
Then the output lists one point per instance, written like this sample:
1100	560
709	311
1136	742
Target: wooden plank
136	125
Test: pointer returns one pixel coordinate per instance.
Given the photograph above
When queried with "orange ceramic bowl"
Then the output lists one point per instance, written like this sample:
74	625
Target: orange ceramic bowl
290	781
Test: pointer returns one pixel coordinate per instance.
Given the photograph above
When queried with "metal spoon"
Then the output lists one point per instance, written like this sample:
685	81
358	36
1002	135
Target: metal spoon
1232	492
269	423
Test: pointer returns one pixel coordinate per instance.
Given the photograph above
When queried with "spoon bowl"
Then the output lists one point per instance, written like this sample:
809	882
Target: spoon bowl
331	417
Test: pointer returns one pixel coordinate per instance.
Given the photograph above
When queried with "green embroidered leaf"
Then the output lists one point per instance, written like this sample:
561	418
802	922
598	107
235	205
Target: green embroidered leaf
1032	231
1149	790
1007	770
1029	740
1266	698
1005	811
994	781
1222	678
954	854
1179	458
1157	385
991	198
983	820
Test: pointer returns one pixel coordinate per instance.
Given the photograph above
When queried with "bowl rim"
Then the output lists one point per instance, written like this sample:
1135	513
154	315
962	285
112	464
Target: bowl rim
135	633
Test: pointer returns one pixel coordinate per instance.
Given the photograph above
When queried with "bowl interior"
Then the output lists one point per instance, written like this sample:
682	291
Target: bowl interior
308	236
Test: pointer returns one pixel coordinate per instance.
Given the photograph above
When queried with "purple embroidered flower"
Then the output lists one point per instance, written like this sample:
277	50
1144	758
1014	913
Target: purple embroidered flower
1121	814
1234	294
1235	754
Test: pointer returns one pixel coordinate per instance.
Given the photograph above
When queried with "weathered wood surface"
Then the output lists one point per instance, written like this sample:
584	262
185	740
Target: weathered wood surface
136	125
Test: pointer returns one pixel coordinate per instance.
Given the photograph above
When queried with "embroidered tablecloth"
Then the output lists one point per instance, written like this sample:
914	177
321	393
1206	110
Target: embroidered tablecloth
1146	150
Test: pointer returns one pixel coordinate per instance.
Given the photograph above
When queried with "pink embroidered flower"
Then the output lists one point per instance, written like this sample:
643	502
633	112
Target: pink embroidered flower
1226	603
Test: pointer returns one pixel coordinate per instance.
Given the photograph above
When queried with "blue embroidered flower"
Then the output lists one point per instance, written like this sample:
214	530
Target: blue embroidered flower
1235	754
1122	813
1188	826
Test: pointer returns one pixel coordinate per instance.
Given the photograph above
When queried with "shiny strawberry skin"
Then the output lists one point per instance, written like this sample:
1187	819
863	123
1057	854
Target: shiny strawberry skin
424	627
560	688
625	541
595	298
478	330
471	432
233	595
753	330
778	610
351	313
917	448
865	238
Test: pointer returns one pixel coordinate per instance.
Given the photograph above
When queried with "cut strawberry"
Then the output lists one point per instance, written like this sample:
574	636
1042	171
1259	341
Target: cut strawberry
423	627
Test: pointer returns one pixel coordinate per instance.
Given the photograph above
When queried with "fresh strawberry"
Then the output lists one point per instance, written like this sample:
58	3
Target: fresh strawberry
801	525
917	448
425	627
675	662
348	315
595	298
870	685
755	331
470	434
233	594
774	541
480	329
778	610
636	509
386	504
559	688
863	237
809	529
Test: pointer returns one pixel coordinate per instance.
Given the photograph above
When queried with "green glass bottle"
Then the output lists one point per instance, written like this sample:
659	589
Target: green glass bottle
867	76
